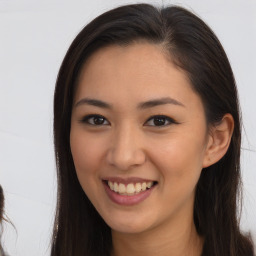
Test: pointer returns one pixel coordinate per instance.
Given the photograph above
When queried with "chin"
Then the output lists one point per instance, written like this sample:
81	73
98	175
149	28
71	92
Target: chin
128	229
128	226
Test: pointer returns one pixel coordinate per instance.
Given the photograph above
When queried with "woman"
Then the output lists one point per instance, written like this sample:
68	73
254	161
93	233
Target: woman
147	139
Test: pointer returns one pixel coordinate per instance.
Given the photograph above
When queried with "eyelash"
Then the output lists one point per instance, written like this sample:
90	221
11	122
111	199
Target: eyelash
166	118
87	119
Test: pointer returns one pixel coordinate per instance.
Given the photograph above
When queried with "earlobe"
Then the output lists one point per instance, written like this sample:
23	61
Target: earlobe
219	140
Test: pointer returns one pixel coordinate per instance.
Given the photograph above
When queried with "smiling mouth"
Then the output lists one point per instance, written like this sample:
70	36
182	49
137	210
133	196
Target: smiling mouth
130	189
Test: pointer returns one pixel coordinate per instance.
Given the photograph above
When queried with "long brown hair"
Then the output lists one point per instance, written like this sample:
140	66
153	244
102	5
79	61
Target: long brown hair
192	47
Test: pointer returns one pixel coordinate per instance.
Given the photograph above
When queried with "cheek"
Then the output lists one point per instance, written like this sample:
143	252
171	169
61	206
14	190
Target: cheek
179	159
86	153
180	166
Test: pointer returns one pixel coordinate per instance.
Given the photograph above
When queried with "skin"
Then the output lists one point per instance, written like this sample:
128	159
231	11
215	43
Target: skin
129	144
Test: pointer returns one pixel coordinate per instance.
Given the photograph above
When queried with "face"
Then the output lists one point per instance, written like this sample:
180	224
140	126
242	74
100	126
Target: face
138	138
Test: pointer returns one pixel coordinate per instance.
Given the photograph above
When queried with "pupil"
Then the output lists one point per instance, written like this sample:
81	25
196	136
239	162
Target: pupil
159	121
98	120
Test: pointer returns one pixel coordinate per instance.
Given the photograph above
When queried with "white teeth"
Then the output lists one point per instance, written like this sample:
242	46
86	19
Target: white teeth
149	184
129	189
144	186
122	188
138	187
111	185
116	187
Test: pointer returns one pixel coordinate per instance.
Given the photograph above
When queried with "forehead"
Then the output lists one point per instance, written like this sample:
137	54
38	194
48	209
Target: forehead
137	58
136	72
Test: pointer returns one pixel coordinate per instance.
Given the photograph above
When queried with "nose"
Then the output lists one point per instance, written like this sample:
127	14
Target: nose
126	149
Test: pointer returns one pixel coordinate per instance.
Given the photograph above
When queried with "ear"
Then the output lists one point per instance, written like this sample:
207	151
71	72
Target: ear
219	139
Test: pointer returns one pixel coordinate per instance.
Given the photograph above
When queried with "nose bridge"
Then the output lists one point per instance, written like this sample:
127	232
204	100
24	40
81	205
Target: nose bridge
126	149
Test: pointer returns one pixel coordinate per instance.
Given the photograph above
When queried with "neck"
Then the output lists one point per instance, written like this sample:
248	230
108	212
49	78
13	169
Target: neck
178	240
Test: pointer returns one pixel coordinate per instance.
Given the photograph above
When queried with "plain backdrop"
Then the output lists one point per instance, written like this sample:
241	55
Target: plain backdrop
34	36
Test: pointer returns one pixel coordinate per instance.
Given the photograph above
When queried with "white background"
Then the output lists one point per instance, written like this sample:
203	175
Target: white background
34	36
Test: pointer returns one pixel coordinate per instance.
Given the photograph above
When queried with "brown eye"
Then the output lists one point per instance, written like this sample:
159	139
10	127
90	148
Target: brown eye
160	121
96	120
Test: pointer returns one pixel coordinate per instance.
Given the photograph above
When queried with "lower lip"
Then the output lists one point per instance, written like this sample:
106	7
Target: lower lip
127	200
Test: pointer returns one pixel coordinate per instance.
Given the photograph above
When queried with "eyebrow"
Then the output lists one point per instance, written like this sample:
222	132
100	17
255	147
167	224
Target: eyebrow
157	102
142	105
93	102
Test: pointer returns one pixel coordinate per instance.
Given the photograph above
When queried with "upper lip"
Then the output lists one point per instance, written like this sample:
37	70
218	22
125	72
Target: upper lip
127	180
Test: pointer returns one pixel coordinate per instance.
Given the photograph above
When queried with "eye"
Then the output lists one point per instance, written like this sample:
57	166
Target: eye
160	120
95	120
